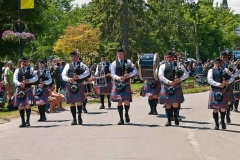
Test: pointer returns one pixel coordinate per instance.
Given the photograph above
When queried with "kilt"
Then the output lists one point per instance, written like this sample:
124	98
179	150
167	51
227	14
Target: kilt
212	104
74	98
146	90
165	98
125	95
105	90
230	94
43	98
29	100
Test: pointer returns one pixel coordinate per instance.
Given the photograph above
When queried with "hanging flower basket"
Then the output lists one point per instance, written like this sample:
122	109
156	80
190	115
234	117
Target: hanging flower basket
26	37
11	36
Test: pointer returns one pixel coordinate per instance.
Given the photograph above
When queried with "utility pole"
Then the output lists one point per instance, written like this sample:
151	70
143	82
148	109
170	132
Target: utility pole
125	27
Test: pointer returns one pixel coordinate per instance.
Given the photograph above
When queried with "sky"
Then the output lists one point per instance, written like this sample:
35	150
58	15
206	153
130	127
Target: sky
233	4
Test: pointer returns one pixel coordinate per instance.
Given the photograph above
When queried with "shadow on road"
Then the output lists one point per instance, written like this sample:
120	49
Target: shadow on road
192	127
50	126
57	120
96	112
232	124
185	108
195	122
164	116
231	131
97	125
143	125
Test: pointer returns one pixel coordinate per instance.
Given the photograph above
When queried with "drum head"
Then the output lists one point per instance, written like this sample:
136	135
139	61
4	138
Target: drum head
148	65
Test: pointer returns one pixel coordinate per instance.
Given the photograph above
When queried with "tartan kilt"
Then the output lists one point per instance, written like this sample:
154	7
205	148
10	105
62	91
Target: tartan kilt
105	90
230	94
212	104
43	98
74	98
125	95
29	100
146	89
165	98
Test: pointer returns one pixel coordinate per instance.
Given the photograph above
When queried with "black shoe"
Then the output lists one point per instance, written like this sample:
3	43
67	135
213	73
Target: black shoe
41	119
102	107
179	118
127	118
155	113
27	123
74	122
216	127
151	113
223	125
44	119
84	110
235	110
176	121
168	124
121	122
23	125
228	120
109	104
80	120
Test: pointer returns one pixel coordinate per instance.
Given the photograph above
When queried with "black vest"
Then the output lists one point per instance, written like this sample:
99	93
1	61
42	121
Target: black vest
25	75
42	77
106	70
217	77
120	70
168	72
72	70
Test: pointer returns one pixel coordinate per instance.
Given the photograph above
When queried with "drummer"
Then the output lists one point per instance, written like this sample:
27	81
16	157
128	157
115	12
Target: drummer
104	68
151	88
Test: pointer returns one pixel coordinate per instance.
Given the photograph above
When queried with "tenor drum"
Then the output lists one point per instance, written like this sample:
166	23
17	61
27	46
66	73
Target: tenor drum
148	66
236	86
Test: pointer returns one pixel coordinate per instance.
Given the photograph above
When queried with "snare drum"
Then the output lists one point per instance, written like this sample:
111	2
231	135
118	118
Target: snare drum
100	81
148	66
236	86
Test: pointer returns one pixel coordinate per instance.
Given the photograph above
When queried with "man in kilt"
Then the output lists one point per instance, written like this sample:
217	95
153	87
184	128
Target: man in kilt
121	70
171	91
74	73
41	91
218	96
23	99
227	68
104	68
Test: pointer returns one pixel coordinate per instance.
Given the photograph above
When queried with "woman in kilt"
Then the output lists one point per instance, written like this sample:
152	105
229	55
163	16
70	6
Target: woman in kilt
104	67
171	91
23	99
121	70
218	98
41	90
74	73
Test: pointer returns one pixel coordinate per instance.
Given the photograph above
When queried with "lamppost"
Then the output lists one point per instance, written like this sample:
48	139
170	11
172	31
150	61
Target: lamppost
20	26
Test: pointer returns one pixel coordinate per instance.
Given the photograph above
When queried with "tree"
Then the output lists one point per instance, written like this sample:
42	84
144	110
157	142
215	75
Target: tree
87	36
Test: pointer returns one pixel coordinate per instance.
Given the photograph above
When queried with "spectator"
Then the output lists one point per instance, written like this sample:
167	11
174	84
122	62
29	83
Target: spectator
199	69
55	99
8	80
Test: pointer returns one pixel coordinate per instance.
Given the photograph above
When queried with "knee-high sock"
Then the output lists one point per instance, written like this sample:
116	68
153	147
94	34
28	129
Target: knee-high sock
216	118
223	116
79	110
150	102
120	111
102	99
108	97
155	102
22	115
169	113
175	110
43	110
236	104
127	107
28	111
73	111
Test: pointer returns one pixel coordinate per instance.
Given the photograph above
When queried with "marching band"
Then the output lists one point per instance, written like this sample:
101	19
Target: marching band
162	84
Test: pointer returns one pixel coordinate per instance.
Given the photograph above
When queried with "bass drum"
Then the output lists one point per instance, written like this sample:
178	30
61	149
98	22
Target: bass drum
148	66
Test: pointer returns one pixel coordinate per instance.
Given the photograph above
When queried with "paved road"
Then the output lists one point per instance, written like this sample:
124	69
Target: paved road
145	137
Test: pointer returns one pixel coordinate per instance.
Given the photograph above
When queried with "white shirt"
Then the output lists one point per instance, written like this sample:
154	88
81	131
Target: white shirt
66	68
103	67
164	79
214	83
113	69
31	80
48	75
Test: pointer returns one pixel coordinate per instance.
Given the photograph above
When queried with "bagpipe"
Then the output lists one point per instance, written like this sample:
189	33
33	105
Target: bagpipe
39	90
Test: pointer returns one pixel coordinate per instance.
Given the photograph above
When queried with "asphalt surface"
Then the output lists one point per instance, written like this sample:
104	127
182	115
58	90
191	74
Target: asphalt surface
146	137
